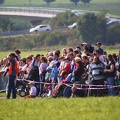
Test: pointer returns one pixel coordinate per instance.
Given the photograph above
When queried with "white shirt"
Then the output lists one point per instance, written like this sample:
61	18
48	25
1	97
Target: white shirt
33	90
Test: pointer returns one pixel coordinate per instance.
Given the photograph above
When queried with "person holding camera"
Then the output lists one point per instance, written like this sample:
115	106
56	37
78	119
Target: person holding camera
12	71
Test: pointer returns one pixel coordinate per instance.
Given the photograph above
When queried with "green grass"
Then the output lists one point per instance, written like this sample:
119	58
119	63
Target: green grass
91	108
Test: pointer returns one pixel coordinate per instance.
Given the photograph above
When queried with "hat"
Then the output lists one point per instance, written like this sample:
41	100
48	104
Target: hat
48	68
52	63
98	43
67	58
31	83
84	43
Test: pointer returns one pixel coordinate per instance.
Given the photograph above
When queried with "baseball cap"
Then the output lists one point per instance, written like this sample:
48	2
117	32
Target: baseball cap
98	43
84	43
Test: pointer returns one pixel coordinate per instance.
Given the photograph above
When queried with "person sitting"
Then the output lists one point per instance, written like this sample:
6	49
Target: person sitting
33	90
47	90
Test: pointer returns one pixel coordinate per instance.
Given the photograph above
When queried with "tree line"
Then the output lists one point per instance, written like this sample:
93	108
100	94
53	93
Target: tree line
91	28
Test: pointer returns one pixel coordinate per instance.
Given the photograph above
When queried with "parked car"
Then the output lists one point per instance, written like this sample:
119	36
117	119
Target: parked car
110	23
40	28
72	26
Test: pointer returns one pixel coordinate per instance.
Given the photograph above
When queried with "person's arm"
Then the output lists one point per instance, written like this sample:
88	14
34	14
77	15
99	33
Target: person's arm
112	67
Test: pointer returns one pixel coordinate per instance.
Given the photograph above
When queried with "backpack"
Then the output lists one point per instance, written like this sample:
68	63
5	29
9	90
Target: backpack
90	48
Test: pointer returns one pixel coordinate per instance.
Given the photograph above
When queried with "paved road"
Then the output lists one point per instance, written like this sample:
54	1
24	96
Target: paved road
24	32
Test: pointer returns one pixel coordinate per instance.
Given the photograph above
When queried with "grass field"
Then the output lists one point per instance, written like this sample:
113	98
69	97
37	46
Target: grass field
91	108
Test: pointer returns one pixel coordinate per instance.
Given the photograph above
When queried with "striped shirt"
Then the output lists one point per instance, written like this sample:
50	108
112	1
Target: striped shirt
96	71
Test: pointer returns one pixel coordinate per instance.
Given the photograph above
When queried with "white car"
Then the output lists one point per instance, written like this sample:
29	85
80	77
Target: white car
40	28
72	26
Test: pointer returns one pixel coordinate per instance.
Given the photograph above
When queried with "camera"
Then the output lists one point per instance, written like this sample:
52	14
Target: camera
4	74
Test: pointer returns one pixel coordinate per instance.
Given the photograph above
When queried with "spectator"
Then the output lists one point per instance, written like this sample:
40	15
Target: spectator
12	71
96	74
33	90
42	72
88	47
64	52
98	44
17	53
110	75
56	58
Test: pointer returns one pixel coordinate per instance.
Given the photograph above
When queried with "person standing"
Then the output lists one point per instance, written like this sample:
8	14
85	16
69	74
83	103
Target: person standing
12	71
110	74
96	75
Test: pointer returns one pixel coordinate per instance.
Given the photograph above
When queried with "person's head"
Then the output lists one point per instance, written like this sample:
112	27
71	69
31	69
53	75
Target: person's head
84	44
49	69
79	64
17	52
70	55
114	57
23	61
50	58
64	51
85	59
98	44
96	60
90	59
86	52
97	53
31	83
56	55
52	64
28	59
70	50
105	53
66	59
110	58
75	52
61	58
43	59
12	56
76	59
37	57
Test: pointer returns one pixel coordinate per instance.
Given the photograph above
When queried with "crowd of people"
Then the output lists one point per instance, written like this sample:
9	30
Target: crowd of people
65	66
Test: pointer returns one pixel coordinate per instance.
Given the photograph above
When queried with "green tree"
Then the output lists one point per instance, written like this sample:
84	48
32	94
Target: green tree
65	18
5	24
75	1
113	34
85	1
92	27
48	1
2	1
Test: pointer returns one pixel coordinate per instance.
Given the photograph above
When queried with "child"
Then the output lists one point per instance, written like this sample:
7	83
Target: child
48	74
47	90
33	90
